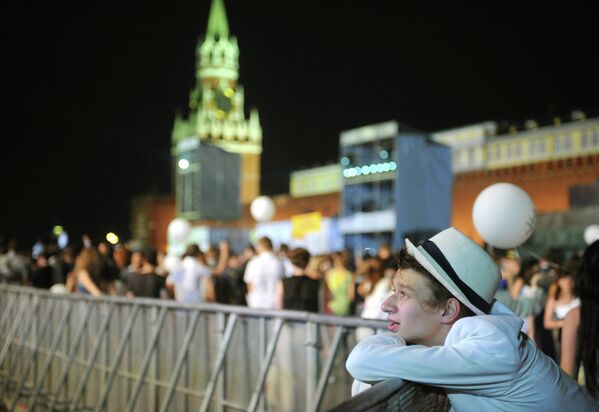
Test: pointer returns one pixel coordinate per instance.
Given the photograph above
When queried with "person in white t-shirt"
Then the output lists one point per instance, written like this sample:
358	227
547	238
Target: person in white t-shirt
192	282
262	274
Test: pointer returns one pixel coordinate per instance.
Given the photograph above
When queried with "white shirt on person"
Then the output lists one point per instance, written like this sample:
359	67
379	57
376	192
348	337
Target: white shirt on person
486	364
372	306
560	311
262	274
187	280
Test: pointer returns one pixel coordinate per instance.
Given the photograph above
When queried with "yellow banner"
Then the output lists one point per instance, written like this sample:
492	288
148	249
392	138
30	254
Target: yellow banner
304	224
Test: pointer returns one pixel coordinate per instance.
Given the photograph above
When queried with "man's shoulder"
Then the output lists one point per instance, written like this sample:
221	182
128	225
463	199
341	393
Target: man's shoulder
271	259
485	327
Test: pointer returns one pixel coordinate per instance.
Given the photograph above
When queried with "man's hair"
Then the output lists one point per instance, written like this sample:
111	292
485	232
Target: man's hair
265	242
440	295
299	257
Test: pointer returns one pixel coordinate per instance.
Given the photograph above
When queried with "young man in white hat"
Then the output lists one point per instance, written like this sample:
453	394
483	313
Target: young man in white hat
458	338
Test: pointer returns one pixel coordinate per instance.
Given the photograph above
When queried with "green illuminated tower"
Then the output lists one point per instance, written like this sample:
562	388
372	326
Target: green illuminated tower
217	103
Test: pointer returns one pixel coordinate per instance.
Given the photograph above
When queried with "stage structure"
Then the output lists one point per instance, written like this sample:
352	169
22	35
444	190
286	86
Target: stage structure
396	184
207	182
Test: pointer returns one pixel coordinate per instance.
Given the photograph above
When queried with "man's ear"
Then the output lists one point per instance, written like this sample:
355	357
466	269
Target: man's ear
452	310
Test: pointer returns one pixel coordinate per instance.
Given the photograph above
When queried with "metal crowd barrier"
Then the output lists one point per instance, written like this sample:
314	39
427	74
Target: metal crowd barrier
395	395
80	353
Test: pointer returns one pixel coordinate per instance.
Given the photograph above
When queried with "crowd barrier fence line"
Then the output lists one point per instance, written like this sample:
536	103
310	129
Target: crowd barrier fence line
75	352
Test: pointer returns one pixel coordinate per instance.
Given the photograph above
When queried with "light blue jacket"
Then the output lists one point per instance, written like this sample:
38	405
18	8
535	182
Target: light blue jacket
486	364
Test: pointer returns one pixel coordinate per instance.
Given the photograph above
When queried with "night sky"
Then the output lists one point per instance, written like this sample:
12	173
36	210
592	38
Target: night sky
93	88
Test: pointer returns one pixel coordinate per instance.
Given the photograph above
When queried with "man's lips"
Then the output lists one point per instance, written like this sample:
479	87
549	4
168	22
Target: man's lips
393	326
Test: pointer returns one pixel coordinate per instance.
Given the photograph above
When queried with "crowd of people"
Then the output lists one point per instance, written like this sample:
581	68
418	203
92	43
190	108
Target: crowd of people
258	276
557	299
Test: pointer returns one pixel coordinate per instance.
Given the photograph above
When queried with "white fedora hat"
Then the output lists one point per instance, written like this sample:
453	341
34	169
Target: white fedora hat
461	266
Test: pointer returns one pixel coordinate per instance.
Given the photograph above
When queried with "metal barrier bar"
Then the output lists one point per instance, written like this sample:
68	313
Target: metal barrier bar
27	327
92	358
146	360
179	364
221	385
219	362
154	369
31	361
6	313
312	358
55	342
117	358
326	372
266	365
73	351
263	349
12	332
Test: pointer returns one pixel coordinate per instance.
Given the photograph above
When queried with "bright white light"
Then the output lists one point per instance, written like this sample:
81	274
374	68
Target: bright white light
63	240
369	169
112	238
183	164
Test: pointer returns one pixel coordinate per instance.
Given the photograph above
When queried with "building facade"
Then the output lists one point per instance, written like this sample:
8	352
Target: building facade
547	162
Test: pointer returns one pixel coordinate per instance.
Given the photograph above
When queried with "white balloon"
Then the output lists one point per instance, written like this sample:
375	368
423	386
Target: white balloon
591	234
171	263
262	208
178	230
504	215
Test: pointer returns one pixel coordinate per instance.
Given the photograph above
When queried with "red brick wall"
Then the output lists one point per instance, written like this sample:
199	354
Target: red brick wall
547	184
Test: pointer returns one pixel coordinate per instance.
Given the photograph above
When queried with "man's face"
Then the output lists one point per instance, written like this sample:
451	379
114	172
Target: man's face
407	311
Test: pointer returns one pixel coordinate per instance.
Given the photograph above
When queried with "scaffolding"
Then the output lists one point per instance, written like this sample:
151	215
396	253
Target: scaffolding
73	352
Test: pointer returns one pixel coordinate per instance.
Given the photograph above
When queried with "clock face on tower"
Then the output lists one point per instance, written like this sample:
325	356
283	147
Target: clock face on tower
223	99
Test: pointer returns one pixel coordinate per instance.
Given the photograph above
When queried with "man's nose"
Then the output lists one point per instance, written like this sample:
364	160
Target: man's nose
388	305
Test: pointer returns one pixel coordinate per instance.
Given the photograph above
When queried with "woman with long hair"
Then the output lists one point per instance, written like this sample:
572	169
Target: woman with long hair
580	334
86	272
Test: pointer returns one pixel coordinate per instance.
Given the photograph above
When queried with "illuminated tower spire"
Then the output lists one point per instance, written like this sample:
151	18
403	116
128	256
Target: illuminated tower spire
217	104
218	26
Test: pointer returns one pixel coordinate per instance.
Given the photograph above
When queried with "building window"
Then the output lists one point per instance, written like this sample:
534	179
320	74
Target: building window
585	139
568	143
471	156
